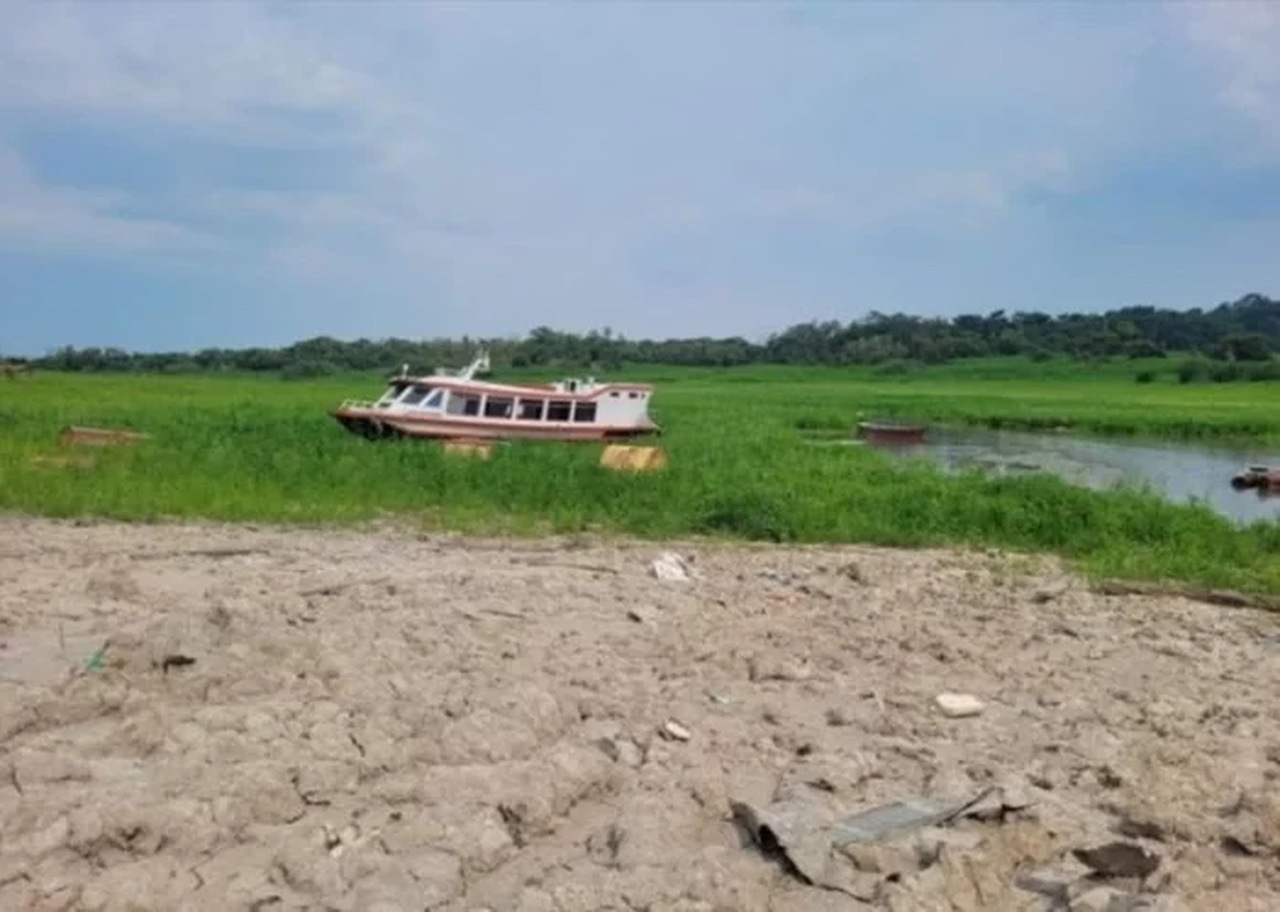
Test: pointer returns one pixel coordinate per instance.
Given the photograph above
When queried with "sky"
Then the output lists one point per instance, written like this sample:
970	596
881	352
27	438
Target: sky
180	175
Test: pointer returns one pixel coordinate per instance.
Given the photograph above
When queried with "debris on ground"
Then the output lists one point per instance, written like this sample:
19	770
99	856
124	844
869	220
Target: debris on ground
670	567
674	731
838	854
959	706
94	662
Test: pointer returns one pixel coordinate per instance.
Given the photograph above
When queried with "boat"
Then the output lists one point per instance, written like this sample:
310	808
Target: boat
1260	477
447	405
885	432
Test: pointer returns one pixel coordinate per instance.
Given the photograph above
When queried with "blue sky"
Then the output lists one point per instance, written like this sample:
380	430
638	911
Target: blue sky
182	175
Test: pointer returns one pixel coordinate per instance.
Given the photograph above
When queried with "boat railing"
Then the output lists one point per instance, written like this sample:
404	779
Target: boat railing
358	404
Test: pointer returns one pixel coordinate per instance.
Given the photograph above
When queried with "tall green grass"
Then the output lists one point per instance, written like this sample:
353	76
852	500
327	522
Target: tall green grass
249	448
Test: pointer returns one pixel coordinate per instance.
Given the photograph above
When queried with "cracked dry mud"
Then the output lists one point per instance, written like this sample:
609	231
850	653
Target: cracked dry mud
380	721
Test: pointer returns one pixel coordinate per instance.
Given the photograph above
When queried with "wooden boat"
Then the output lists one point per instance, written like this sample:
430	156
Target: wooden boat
885	432
1257	477
456	406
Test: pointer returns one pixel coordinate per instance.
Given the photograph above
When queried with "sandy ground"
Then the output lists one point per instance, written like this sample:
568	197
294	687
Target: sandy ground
380	721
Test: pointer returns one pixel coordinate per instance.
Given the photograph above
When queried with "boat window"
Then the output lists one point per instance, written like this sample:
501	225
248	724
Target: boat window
463	404
433	401
558	410
531	409
498	407
613	395
632	395
584	411
415	395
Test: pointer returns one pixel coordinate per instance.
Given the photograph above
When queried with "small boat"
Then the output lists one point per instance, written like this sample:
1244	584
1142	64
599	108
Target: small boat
885	432
1257	477
456	406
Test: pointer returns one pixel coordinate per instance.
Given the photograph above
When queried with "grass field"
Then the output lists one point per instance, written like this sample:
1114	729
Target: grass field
258	448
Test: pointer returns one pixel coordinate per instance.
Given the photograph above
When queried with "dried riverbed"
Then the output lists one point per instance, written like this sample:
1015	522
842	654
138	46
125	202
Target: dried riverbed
377	721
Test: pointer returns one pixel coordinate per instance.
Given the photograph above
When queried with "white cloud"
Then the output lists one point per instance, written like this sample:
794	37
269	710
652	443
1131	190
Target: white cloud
1242	38
231	70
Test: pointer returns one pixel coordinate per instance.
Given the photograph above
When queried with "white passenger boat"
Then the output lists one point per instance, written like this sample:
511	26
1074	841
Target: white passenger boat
455	405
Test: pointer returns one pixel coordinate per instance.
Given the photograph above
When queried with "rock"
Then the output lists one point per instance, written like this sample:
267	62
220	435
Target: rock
959	706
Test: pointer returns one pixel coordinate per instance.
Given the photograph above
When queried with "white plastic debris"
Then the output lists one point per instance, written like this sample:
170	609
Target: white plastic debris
959	706
671	567
674	731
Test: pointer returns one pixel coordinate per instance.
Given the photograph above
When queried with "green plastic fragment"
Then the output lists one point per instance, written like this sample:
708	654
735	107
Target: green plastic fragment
94	662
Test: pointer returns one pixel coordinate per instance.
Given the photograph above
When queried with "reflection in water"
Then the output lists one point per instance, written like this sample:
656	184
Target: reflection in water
1181	472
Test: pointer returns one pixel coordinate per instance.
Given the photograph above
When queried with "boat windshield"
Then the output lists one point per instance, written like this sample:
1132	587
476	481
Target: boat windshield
415	395
393	391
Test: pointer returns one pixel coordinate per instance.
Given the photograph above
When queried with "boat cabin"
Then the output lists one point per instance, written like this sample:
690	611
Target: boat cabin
563	401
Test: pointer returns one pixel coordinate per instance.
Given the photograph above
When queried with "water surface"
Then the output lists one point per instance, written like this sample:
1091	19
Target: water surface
1181	472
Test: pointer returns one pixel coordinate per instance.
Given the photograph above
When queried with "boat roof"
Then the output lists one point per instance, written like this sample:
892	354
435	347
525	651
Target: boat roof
514	389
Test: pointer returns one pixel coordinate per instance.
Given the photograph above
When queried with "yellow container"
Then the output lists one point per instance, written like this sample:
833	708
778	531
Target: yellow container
633	458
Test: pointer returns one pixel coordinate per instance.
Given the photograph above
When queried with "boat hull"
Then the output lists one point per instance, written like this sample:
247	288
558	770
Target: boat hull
1261	478
891	433
382	426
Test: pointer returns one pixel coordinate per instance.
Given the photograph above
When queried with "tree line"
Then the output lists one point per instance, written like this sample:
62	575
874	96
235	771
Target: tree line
1246	330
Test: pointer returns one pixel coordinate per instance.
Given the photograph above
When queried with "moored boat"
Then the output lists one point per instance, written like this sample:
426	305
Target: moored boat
445	405
1257	477
885	432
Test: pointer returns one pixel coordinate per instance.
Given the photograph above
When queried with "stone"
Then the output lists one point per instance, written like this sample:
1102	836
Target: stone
959	706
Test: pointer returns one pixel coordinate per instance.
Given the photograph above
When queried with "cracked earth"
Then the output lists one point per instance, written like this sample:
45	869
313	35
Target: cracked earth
379	721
